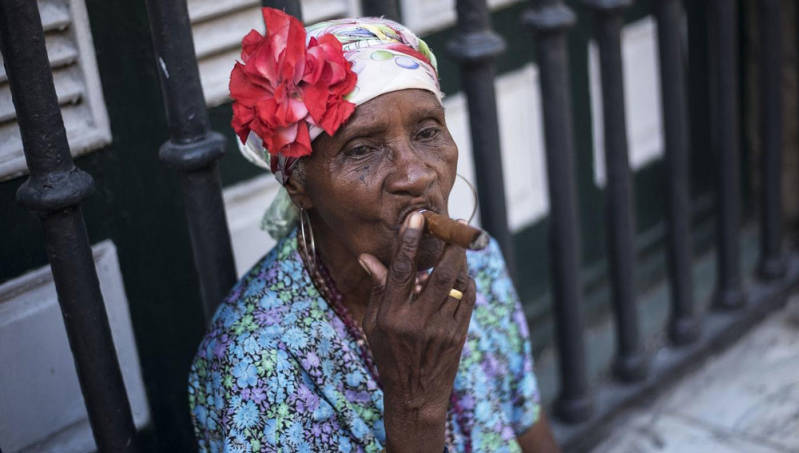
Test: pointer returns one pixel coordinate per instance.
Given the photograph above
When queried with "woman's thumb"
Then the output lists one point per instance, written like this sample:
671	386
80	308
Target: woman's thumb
374	268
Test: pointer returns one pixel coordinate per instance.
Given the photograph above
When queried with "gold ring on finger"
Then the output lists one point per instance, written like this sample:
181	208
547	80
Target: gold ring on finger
455	294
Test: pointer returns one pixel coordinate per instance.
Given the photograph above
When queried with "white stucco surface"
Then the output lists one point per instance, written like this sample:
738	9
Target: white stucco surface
41	405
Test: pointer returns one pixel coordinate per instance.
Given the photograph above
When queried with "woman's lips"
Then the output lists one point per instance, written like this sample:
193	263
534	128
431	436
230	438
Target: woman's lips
407	211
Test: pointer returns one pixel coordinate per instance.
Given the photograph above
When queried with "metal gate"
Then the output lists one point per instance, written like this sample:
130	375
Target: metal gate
56	188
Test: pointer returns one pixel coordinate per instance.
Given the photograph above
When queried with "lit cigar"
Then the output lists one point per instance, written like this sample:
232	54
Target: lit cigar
455	232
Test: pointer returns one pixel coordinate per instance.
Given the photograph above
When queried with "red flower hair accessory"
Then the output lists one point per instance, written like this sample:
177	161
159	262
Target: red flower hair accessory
281	86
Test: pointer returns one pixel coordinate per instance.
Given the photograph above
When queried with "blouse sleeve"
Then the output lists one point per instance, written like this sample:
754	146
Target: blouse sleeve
524	389
255	398
522	401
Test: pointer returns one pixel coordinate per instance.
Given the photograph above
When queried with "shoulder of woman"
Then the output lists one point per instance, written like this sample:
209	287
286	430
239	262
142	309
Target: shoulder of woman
489	259
274	284
495	290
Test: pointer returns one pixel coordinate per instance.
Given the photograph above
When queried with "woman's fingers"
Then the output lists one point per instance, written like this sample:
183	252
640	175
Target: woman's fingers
402	271
451	264
374	268
462	312
393	285
421	280
377	272
451	273
461	283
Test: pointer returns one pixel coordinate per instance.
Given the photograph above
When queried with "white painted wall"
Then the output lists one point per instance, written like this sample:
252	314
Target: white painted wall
642	97
41	406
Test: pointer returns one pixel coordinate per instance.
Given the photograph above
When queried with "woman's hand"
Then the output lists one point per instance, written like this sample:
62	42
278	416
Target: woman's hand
416	336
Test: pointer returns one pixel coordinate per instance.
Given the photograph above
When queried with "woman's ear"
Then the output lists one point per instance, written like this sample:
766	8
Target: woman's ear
297	188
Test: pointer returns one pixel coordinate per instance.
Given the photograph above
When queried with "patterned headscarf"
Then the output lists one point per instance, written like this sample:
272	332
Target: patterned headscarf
385	55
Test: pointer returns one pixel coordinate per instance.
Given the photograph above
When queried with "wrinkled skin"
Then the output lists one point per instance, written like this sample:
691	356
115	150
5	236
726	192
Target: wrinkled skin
394	153
361	188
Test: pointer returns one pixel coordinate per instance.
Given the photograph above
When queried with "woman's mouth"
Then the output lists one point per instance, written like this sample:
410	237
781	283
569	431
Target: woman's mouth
403	217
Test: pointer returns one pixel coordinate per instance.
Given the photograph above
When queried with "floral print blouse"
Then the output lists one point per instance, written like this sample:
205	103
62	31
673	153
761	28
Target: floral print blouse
278	370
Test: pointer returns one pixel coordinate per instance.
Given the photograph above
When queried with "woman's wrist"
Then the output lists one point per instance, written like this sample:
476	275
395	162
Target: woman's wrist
414	429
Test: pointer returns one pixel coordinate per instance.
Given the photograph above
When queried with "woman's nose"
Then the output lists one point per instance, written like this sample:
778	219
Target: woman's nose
411	175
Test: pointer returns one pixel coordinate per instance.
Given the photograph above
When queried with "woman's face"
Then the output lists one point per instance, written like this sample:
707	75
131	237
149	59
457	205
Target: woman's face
393	156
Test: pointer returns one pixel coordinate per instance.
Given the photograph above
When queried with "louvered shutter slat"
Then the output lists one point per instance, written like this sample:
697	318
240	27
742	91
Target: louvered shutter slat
71	55
202	10
219	25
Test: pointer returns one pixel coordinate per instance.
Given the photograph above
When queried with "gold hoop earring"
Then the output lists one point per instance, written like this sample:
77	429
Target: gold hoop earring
304	218
474	196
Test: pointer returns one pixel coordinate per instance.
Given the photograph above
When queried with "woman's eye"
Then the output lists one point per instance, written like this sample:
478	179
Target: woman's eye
428	133
358	151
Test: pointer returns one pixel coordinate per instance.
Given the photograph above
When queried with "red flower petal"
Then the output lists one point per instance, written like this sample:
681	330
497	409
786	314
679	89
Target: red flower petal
263	131
329	64
263	64
315	97
280	86
314	62
242	117
249	44
301	146
242	89
288	42
345	86
336	114
284	136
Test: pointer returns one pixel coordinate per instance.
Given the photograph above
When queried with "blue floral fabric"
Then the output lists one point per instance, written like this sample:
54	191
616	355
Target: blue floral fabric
278	370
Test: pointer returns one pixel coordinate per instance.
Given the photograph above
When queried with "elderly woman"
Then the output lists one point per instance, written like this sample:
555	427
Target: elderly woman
359	331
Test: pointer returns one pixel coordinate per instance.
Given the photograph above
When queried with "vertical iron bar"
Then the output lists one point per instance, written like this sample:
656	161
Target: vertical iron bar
386	8
722	27
54	191
475	46
550	21
193	149
288	6
683	323
772	264
630	363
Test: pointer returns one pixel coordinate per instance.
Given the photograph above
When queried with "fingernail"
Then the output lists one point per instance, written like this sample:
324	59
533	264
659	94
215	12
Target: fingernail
463	221
416	221
364	266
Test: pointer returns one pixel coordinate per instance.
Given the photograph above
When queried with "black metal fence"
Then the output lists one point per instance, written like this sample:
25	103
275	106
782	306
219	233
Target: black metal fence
55	189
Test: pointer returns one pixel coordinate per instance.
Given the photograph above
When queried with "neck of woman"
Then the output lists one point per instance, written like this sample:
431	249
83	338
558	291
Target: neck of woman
351	281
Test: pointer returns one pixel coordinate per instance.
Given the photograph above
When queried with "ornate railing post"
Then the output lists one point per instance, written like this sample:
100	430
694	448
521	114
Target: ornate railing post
475	46
684	325
54	191
724	138
550	20
630	363
772	263
387	8
193	149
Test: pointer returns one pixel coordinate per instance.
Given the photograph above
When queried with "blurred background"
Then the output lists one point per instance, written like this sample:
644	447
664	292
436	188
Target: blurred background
602	350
